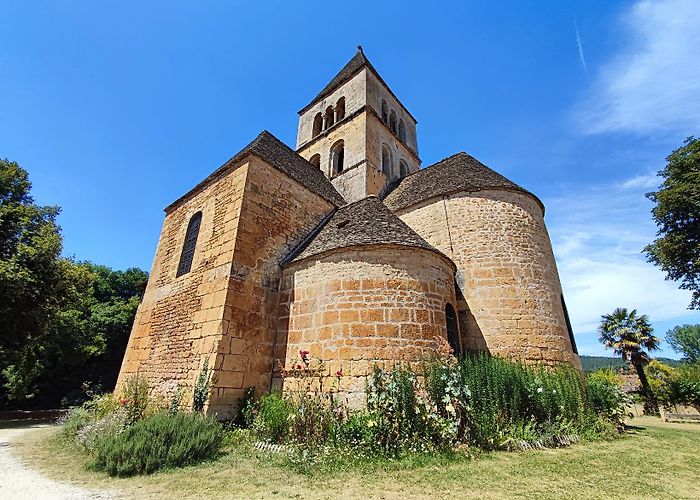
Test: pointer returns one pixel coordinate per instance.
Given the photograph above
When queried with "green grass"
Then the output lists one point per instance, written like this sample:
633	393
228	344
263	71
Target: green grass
653	460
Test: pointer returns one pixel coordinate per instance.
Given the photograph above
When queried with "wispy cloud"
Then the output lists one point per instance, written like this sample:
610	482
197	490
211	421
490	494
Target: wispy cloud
644	181
598	235
580	48
651	84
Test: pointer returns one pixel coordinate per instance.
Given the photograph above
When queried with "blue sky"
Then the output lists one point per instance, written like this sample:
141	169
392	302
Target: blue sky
118	108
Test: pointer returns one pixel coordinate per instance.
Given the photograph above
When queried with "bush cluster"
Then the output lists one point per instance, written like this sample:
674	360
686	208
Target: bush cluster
481	401
138	434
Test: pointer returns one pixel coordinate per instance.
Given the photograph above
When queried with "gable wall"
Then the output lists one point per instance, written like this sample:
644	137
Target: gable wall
177	325
276	214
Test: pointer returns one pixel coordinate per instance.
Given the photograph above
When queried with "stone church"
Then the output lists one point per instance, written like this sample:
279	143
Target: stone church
346	248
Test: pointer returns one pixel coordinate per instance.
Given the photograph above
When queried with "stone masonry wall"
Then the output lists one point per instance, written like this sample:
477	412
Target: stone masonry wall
506	271
276	214
177	325
360	307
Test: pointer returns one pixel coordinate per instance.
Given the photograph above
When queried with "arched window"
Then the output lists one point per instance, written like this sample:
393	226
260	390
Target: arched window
340	109
392	122
452	331
385	112
189	245
403	168
402	131
318	124
329	117
338	157
386	162
315	160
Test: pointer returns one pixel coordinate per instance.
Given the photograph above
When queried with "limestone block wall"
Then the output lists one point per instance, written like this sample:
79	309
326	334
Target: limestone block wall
376	92
362	306
506	272
355	93
377	136
276	214
352	133
178	323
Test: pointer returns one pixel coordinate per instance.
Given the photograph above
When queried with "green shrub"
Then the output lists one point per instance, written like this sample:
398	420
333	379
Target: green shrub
160	441
272	418
201	388
605	394
135	397
686	390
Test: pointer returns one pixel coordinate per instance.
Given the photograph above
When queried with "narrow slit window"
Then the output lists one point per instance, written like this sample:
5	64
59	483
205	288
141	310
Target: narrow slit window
452	329
189	245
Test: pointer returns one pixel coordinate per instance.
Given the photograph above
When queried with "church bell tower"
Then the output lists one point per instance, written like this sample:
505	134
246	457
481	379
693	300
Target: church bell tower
358	132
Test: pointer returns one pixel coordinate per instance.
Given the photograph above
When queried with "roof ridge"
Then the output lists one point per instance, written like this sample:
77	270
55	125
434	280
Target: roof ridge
280	156
371	224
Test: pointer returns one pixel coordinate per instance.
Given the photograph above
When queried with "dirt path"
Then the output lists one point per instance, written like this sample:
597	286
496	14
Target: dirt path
17	482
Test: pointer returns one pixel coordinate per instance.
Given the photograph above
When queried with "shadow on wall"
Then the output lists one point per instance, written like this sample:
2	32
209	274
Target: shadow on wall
472	338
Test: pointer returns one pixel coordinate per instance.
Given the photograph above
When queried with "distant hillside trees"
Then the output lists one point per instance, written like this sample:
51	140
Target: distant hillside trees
677	214
63	325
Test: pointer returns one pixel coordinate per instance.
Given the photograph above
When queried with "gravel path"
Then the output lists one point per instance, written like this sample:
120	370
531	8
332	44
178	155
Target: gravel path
17	482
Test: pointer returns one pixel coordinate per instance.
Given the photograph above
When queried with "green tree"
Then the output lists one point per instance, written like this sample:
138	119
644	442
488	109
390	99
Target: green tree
62	323
677	214
631	337
685	340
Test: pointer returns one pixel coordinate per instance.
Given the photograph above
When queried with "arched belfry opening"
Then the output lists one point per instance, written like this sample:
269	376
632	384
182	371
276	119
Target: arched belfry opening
452	329
190	244
403	168
386	162
392	122
328	118
318	124
340	109
338	157
315	160
402	131
385	112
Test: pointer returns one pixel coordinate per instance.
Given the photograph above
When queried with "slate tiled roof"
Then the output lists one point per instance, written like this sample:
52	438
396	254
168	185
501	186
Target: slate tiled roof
364	222
273	151
459	172
354	65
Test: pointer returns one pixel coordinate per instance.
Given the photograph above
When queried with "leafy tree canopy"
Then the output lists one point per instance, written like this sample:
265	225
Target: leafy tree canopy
677	214
62	324
685	340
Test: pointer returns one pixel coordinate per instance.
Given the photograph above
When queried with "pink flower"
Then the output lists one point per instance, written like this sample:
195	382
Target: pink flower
298	367
123	401
304	354
339	373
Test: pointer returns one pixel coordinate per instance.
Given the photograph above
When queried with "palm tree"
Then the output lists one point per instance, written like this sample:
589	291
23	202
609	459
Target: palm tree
631	336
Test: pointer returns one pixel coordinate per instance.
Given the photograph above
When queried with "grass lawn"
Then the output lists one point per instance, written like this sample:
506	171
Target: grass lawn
654	460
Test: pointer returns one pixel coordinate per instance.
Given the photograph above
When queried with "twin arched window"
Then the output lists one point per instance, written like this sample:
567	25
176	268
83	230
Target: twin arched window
189	245
328	118
389	119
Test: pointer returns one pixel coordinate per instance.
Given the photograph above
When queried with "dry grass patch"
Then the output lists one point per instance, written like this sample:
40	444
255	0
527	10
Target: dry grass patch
654	460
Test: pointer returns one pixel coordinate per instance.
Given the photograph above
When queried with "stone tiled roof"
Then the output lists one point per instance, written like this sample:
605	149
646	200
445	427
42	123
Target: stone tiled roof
364	222
459	172
354	65
273	151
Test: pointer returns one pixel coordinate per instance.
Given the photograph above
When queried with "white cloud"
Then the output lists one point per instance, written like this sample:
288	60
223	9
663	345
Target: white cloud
644	181
598	235
652	83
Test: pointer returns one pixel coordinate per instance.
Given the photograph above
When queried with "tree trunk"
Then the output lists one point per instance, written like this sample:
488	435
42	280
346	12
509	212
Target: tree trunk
651	407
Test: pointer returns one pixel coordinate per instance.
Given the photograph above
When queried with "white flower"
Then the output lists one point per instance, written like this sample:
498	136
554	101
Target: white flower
554	391
539	390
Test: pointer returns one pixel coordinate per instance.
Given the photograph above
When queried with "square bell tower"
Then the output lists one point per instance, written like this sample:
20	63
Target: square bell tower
358	132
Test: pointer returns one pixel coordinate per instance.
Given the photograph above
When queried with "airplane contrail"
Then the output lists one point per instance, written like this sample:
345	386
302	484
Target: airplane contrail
580	48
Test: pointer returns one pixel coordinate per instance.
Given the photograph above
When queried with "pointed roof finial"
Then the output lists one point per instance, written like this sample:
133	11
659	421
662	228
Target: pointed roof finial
359	49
